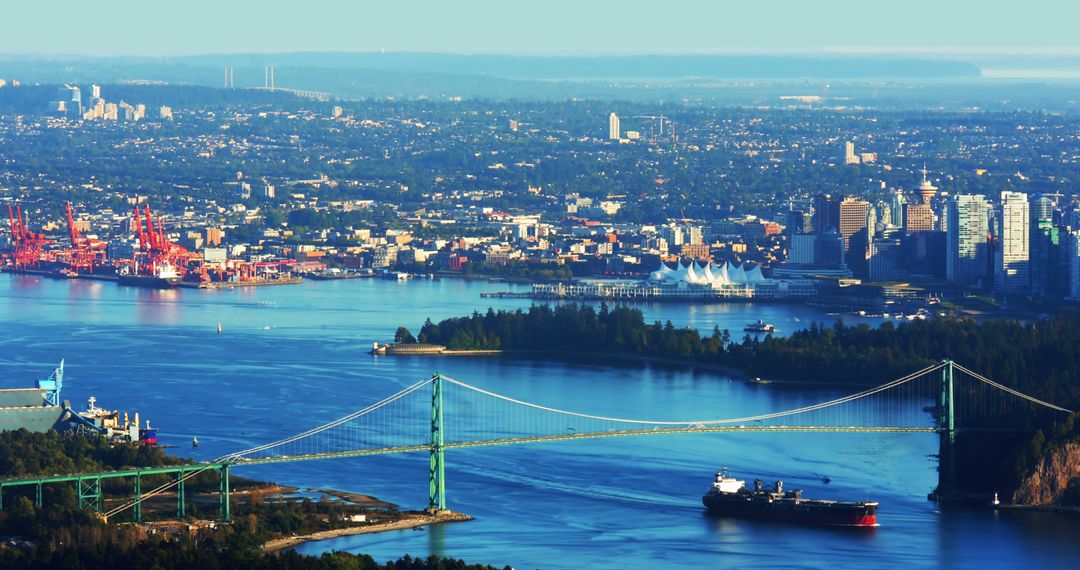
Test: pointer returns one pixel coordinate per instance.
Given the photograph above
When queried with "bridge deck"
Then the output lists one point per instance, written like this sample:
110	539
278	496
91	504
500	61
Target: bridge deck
182	469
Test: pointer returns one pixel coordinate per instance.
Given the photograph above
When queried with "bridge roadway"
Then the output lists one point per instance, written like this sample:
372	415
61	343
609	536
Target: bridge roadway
237	462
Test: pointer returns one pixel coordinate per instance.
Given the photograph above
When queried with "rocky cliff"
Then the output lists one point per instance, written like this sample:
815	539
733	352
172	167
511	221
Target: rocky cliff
1049	483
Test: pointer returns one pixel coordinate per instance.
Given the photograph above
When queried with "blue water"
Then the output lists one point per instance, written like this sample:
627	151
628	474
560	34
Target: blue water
294	357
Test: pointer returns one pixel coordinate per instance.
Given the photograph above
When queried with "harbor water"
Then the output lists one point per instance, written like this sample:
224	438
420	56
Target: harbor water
293	357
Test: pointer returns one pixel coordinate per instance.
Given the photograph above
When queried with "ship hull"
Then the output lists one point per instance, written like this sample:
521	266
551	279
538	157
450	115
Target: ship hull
806	511
149	281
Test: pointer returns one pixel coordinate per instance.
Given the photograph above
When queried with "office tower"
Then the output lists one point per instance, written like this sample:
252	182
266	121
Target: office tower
800	222
896	205
1072	264
614	132
849	153
884	219
269	191
673	235
854	214
886	252
165	113
1045	250
967	255
1042	210
826	213
693	235
76	102
95	91
1011	260
803	249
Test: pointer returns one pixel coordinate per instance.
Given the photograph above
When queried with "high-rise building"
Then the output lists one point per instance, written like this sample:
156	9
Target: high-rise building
269	191
1072	264
896	206
886	251
849	153
1042	210
800	222
967	256
803	249
854	215
1045	250
918	218
826	213
1012	270
614	132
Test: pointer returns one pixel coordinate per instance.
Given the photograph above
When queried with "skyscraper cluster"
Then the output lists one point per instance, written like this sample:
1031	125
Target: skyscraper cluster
1009	244
70	104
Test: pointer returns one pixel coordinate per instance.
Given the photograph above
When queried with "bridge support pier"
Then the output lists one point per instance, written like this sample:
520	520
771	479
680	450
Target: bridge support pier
947	429
180	508
226	515
136	508
436	464
89	494
37	496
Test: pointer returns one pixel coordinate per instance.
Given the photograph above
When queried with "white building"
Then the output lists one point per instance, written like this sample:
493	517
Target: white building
614	132
1012	260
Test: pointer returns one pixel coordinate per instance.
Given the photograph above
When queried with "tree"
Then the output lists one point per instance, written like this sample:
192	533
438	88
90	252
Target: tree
403	336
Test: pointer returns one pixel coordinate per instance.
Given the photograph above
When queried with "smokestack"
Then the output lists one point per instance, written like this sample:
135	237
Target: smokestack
271	77
266	77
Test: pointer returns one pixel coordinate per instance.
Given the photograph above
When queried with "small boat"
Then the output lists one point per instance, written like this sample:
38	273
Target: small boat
760	326
195	441
219	328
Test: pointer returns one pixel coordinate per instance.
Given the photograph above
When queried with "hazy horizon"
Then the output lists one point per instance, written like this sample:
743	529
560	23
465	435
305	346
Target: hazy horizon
559	27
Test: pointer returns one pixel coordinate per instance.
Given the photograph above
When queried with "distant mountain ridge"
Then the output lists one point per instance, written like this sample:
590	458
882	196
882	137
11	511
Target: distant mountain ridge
599	67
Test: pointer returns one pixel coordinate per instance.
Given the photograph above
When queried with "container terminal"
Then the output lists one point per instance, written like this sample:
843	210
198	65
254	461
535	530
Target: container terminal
40	409
149	259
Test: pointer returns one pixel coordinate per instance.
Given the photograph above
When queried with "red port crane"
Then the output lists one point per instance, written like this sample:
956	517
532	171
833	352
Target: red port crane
27	247
85	253
155	250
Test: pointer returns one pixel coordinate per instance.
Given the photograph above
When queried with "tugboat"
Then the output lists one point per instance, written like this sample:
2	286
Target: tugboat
729	496
760	326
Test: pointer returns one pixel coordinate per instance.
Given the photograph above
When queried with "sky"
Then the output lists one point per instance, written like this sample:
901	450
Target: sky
182	27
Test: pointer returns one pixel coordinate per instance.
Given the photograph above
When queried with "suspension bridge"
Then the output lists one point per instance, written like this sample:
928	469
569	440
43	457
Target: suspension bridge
441	413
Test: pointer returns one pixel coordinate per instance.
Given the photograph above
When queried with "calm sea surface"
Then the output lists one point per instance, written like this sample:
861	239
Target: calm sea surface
293	357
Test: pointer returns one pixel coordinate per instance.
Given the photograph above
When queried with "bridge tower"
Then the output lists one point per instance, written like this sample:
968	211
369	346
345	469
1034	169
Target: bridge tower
947	432
436	466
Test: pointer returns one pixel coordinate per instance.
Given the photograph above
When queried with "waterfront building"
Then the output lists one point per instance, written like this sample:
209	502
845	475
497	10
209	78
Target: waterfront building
696	281
1012	255
886	252
967	256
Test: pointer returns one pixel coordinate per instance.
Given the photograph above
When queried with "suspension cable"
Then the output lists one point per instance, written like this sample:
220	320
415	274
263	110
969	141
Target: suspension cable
1016	393
845	399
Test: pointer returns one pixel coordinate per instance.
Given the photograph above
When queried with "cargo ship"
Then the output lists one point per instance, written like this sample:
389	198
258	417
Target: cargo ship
729	496
164	276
